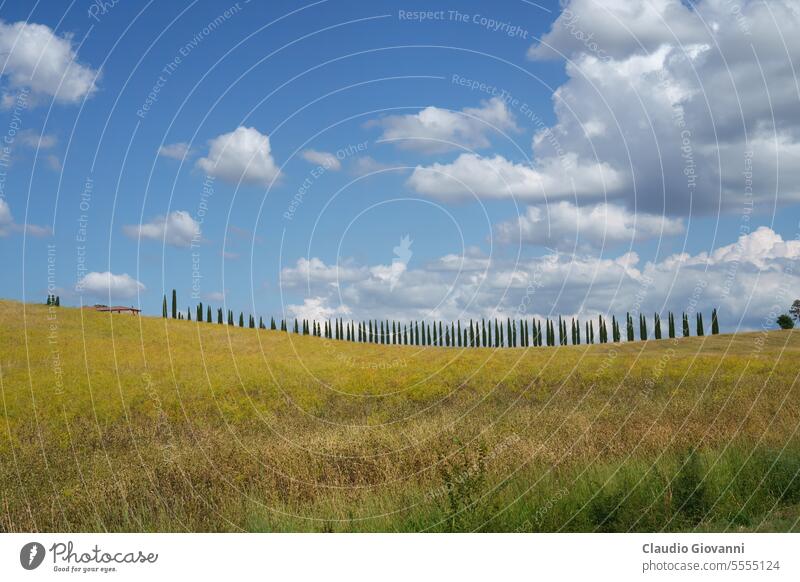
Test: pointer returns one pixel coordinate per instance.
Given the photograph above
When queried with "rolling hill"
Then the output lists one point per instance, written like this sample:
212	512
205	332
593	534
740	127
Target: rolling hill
113	422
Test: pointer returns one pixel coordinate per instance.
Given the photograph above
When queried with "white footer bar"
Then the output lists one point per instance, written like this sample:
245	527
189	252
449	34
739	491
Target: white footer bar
400	556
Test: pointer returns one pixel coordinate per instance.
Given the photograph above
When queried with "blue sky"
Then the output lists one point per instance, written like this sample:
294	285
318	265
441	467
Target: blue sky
576	159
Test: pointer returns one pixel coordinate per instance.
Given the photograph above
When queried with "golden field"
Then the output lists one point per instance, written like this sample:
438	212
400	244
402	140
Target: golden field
121	423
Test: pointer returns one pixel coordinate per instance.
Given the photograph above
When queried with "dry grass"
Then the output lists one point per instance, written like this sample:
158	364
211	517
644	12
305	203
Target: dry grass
124	423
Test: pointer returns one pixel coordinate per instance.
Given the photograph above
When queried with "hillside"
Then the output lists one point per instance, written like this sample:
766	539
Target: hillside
123	423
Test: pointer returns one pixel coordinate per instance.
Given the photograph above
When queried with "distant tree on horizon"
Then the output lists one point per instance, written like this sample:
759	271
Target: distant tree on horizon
784	321
794	310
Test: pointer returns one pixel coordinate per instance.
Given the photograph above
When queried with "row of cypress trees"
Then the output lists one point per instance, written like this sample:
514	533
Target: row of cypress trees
495	333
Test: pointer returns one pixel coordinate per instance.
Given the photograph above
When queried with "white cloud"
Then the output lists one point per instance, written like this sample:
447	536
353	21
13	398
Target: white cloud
176	151
682	98
496	177
53	161
241	155
747	280
437	130
177	229
314	271
325	159
616	28
317	309
369	165
31	139
9	226
565	226
108	284
6	218
35	57
215	296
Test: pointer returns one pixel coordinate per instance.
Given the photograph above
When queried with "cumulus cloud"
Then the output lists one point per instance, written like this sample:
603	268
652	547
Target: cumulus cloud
36	58
242	155
175	151
9	226
435	129
316	308
565	226
471	175
107	284
325	159
314	271
177	229
746	280
694	101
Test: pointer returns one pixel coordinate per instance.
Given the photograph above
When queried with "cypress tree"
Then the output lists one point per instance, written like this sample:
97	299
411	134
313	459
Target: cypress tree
219	316
591	330
671	325
714	322
164	307
657	326
189	314
483	333
700	331
502	336
174	304
685	325
241	319
629	327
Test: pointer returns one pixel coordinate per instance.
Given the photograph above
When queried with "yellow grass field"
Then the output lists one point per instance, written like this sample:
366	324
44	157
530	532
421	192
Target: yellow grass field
124	423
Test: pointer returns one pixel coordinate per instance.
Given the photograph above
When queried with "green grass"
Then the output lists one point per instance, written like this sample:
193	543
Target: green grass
118	423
